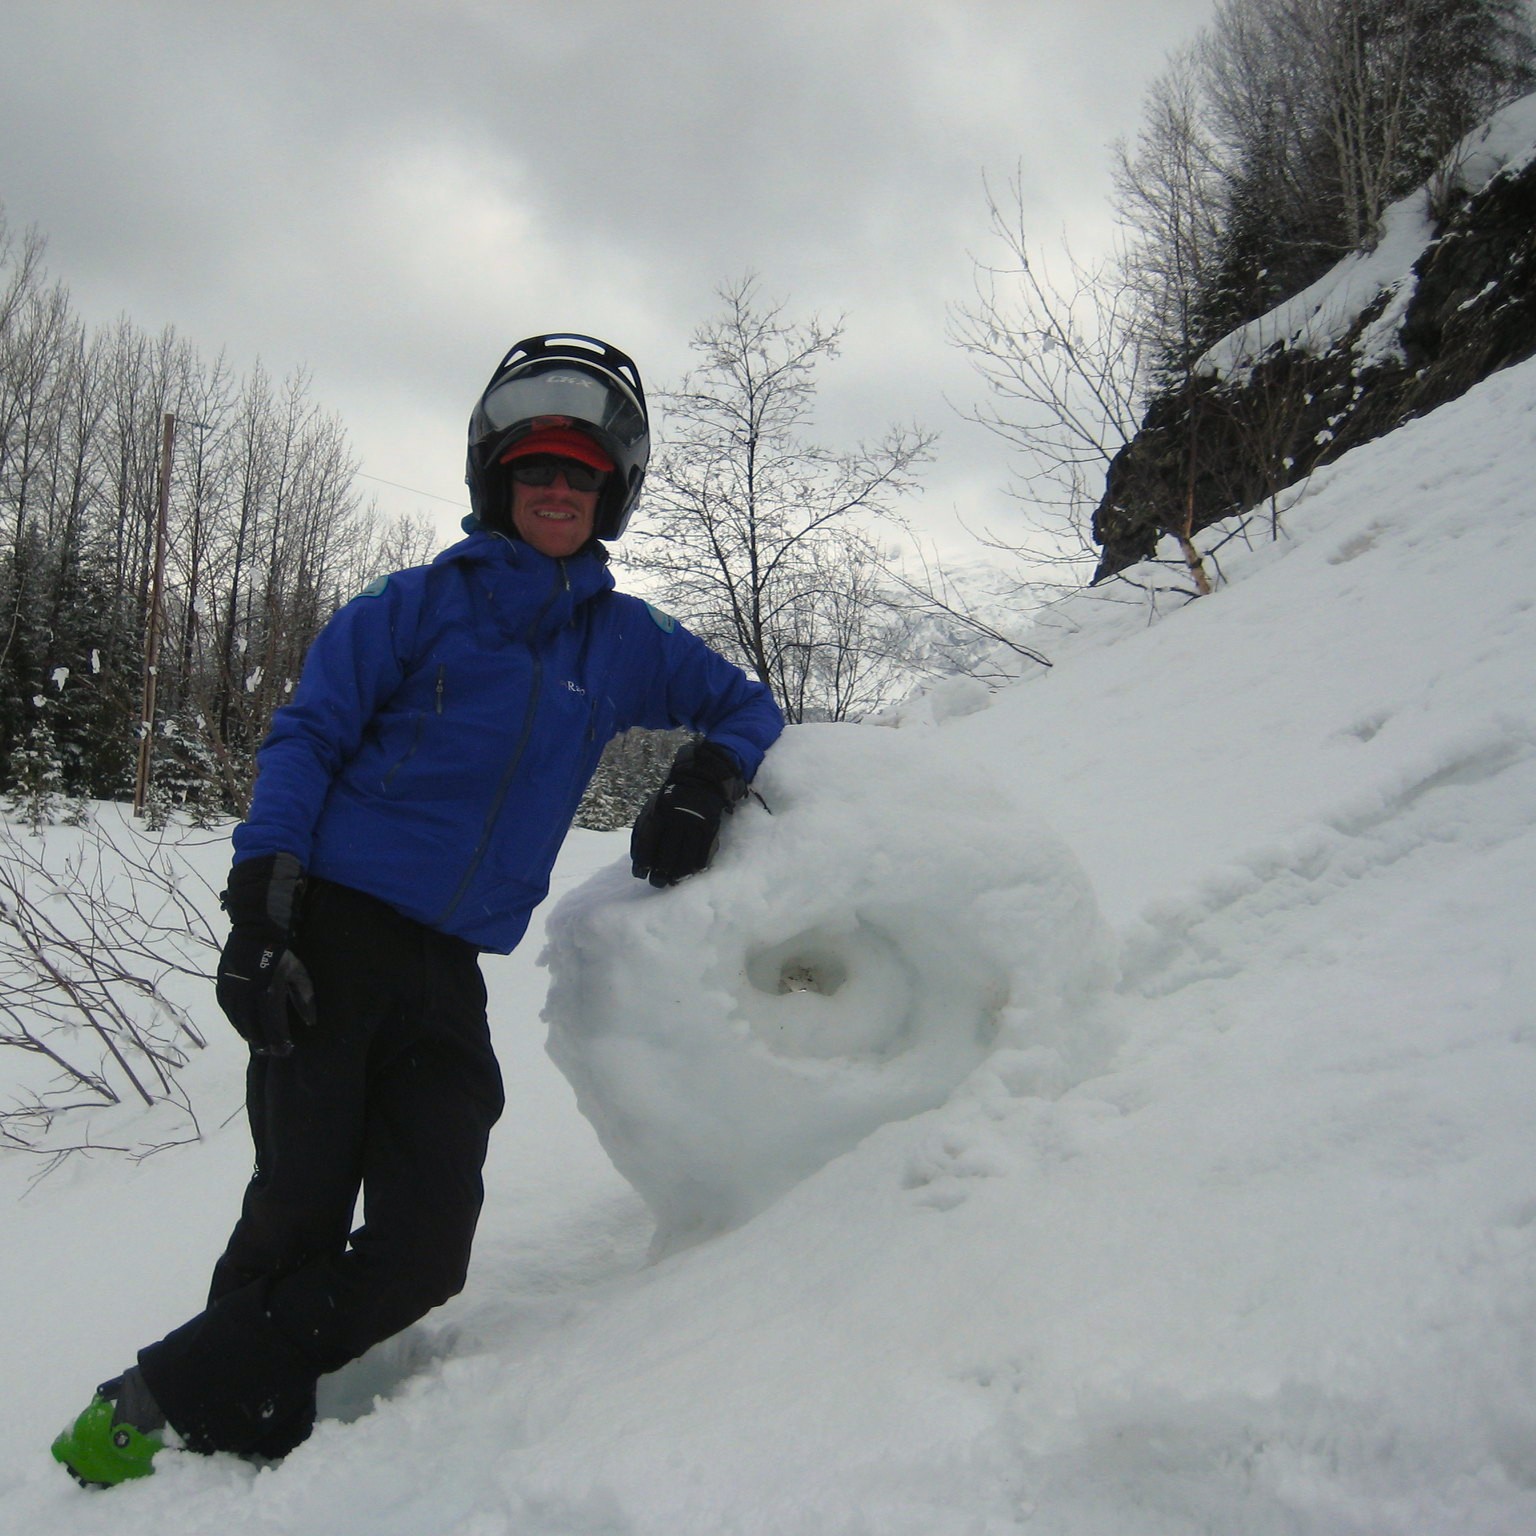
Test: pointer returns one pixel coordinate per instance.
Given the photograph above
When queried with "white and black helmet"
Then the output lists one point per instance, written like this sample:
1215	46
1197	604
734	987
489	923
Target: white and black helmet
553	382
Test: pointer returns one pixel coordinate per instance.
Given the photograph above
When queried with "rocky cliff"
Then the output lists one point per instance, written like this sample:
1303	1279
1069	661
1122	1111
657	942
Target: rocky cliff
1445	296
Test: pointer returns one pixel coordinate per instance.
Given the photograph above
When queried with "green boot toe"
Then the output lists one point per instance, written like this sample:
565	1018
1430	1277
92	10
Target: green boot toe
101	1454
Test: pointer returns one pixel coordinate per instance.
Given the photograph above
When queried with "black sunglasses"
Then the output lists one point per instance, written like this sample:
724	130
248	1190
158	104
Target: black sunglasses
540	470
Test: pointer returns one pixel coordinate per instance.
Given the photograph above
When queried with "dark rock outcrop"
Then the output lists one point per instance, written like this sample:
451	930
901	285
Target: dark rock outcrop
1223	445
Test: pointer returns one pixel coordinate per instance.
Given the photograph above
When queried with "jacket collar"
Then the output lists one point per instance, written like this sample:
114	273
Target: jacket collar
519	586
585	573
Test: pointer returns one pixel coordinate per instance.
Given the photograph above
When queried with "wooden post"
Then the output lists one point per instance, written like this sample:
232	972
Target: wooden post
152	633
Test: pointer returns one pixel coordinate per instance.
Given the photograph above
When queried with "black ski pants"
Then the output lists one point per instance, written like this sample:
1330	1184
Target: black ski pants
394	1093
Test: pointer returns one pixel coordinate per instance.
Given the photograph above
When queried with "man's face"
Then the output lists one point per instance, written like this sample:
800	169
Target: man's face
553	518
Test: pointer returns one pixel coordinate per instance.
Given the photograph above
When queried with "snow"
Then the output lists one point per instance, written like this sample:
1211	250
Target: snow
1505	143
1318	317
847	964
1236	1234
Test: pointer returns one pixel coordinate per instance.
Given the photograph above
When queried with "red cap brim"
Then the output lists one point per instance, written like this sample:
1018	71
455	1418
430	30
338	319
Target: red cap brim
562	443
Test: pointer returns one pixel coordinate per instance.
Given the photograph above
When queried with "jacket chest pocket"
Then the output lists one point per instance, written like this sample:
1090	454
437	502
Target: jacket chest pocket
599	721
418	730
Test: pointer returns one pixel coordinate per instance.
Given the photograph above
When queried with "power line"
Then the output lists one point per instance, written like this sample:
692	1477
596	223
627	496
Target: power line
395	485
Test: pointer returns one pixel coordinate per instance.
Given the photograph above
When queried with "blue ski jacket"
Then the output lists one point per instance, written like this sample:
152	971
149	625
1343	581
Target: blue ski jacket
448	721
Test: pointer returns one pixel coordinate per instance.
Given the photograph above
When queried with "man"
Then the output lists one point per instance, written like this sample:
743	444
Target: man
409	806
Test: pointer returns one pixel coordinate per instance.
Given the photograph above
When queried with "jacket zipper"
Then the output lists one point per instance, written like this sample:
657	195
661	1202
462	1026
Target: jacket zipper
517	752
389	778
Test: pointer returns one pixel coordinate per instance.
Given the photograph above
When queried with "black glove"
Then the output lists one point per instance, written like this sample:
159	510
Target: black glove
676	834
262	985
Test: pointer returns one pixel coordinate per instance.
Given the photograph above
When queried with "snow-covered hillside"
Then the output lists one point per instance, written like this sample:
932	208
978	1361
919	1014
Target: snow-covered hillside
1261	1261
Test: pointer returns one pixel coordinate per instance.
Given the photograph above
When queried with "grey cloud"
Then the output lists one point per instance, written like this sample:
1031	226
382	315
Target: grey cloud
390	192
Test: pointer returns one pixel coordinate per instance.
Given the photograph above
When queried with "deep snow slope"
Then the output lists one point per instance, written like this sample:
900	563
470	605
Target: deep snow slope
1267	1266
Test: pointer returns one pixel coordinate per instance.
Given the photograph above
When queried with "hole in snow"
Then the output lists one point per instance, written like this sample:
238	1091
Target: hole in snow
802	965
823	976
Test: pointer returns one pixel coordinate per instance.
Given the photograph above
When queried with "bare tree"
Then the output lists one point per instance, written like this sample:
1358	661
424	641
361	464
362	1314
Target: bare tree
268	535
1274	143
1060	353
845	644
1168	199
746	517
199	505
1270	147
382	546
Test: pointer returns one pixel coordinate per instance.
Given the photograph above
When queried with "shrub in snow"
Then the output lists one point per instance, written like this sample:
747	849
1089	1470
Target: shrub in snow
93	925
860	945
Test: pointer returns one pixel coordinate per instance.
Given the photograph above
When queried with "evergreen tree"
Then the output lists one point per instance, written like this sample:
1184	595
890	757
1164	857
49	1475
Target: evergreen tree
633	765
35	792
186	776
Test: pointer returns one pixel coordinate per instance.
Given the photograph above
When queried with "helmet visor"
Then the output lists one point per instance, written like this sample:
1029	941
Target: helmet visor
561	390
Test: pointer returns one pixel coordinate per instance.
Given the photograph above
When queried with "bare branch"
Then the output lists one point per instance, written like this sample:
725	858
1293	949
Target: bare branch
88	939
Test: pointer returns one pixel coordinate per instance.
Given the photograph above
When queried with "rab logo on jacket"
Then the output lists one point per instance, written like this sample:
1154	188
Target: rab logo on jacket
571	687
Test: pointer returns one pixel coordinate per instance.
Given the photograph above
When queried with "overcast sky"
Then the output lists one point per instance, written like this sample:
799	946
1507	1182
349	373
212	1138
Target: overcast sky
390	194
